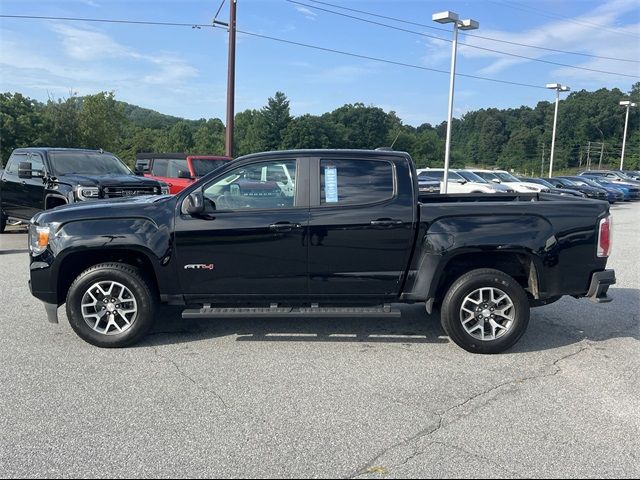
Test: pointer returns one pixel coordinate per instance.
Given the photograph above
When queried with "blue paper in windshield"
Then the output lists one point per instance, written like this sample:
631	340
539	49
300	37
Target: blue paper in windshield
331	184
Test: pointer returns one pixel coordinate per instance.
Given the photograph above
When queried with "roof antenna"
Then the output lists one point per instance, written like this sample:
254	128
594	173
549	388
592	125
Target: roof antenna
394	141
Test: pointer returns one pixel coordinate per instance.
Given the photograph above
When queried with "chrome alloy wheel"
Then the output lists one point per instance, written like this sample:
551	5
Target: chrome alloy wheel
109	308
487	313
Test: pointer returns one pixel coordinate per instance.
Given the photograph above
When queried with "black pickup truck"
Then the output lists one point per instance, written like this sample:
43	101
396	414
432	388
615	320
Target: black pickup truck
37	179
324	233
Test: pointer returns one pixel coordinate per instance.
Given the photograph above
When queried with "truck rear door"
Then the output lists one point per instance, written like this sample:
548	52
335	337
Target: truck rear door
361	225
13	188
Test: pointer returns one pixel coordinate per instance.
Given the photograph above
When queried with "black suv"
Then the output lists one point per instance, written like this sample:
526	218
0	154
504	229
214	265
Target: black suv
37	179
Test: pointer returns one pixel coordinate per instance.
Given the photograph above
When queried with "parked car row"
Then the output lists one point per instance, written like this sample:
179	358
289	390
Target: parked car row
609	185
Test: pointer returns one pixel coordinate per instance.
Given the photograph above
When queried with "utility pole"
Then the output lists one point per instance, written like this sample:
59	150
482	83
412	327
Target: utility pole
601	154
589	156
542	164
231	79
231	73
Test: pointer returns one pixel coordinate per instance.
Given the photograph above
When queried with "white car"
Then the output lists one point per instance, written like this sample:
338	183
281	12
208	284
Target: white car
461	181
505	178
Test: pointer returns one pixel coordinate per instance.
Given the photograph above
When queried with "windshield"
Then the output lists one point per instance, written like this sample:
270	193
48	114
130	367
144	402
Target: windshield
488	175
471	177
203	166
585	182
566	181
506	177
87	163
541	181
438	175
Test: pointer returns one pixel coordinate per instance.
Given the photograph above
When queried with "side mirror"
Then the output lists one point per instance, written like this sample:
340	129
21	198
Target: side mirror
461	181
184	174
194	204
139	173
25	170
496	180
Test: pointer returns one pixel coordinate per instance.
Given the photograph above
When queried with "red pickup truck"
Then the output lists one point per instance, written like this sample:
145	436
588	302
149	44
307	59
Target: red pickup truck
178	170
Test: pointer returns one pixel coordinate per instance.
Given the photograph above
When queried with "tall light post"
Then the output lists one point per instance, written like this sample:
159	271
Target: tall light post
558	88
450	17
628	104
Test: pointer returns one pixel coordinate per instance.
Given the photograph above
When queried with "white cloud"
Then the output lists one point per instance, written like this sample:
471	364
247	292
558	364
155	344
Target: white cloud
308	14
579	34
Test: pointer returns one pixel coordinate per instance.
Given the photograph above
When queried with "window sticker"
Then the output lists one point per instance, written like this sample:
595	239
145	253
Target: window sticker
331	184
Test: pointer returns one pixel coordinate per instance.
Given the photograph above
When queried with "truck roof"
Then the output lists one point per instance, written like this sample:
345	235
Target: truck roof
319	152
57	149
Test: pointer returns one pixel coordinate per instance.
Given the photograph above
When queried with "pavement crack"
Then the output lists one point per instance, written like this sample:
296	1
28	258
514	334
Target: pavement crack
184	375
427	432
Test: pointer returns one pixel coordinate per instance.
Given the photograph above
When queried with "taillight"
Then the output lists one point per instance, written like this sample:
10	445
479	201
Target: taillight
604	237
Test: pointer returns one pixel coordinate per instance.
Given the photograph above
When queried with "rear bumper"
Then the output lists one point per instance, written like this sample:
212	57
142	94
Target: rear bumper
600	283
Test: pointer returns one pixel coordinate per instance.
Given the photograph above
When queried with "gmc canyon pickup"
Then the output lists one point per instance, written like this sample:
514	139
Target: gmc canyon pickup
319	233
37	179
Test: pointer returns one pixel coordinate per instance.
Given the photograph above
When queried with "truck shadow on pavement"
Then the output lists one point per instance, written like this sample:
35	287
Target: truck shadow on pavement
566	322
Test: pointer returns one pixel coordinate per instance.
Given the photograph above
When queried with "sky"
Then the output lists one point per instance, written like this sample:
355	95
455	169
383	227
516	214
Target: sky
182	70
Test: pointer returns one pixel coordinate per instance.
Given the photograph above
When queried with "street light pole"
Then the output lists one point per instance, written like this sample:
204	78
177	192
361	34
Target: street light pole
628	104
451	17
558	88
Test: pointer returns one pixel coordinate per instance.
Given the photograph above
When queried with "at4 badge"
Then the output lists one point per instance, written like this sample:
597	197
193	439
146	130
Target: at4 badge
200	266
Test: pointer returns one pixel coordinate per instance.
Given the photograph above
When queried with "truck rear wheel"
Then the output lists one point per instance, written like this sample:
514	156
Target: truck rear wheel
485	311
111	305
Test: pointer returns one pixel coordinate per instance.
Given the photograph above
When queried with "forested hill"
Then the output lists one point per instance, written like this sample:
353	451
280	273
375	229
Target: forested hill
590	126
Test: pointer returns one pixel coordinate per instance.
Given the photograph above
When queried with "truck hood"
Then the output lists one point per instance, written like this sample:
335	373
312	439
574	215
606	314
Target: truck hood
107	209
107	180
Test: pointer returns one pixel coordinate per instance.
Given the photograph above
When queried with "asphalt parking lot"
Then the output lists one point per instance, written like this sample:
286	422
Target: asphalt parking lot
324	398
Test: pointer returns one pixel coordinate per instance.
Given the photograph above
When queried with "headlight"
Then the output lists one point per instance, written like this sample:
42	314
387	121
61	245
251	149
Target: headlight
87	193
164	189
38	239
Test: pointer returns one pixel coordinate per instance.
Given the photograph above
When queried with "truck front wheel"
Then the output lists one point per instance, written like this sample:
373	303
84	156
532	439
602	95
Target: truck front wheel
111	305
485	311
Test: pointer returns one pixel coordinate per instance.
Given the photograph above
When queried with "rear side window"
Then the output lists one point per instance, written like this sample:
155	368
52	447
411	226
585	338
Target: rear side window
169	167
355	182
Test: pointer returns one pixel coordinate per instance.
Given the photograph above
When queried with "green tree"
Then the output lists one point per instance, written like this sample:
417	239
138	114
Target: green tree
209	137
101	121
274	119
61	123
20	123
310	131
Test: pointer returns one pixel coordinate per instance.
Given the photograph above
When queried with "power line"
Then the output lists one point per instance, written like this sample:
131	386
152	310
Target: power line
408	22
383	60
276	39
105	20
500	52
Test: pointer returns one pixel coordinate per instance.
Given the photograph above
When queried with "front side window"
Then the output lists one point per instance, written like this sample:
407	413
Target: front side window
267	185
14	163
37	164
355	182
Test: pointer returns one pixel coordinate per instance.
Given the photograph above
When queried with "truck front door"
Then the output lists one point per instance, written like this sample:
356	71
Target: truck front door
13	191
251	242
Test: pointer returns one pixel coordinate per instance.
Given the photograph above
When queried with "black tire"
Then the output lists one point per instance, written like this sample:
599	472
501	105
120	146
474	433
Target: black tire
131	278
466	285
3	220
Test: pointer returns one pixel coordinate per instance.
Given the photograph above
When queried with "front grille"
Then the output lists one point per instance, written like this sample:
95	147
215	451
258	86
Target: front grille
120	192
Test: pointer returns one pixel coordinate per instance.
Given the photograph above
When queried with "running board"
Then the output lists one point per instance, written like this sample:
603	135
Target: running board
275	311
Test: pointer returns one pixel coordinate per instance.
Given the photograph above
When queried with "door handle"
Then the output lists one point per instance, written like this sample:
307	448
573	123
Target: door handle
284	226
385	222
